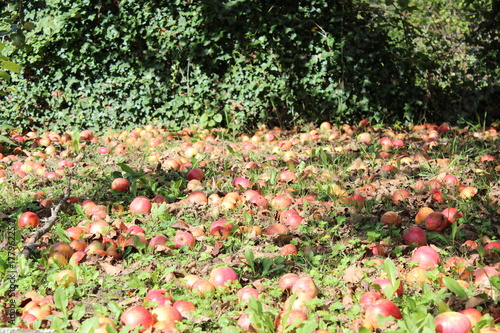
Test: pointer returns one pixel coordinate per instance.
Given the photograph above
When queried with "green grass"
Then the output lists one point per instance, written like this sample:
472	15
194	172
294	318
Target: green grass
333	242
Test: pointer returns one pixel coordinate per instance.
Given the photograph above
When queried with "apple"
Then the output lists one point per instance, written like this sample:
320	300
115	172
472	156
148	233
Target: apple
298	301
184	238
294	317
158	240
426	256
74	233
452	322
28	219
120	185
195	173
140	204
391	218
223	277
383	283
288	249
203	287
65	277
287	280
452	214
492	249
197	197
384	308
160	296
241	183
414	236
473	315
137	316
368	298
245	294
62	247
436	221
167	314
276	228
305	285
184	307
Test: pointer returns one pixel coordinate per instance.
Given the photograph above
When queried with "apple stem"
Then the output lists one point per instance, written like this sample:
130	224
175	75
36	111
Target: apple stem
48	222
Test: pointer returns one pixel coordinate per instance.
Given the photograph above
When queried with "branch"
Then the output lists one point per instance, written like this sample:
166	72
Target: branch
48	222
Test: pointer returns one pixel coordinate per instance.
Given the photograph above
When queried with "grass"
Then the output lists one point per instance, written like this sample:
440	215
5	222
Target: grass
335	243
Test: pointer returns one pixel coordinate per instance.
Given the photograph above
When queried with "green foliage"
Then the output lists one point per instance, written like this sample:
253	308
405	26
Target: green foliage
237	63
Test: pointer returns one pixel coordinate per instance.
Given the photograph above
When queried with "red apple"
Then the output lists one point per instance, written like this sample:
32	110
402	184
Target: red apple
294	317
305	285
120	185
384	308
246	293
166	314
426	256
383	283
452	322
287	280
452	214
184	307
137	316
160	296
368	298
492	249
195	173
414	236
241	183
184	238
223	276
140	204
436	221
28	219
203	287
473	315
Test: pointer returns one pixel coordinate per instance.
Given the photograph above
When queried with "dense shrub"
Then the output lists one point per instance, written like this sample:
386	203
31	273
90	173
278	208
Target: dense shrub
229	63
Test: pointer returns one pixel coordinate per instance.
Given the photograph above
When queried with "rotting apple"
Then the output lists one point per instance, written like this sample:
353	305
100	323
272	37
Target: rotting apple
120	185
306	285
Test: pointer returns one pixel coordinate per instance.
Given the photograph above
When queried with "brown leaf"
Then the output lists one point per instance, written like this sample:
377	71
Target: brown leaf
111	269
181	225
353	274
216	249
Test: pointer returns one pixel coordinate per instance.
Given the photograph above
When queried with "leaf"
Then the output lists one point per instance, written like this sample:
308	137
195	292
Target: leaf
250	258
89	325
5	75
62	234
390	269
61	299
454	287
495	281
79	311
11	66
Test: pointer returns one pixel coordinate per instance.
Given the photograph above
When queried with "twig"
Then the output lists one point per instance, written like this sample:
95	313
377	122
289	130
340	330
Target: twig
47	224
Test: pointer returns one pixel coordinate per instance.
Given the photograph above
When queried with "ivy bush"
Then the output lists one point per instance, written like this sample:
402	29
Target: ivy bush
232	63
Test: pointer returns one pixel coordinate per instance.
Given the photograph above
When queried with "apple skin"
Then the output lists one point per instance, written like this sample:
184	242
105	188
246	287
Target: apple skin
382	307
223	277
120	185
415	236
287	280
184	238
195	173
452	322
305	285
28	219
140	204
136	316
160	296
426	256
